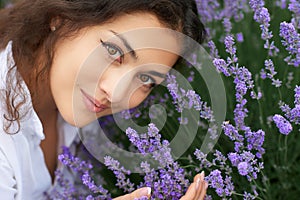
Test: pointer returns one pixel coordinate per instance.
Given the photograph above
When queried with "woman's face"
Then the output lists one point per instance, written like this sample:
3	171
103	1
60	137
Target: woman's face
108	68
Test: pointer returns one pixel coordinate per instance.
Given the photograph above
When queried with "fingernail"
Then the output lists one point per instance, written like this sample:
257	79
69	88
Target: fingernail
202	175
198	183
149	190
146	191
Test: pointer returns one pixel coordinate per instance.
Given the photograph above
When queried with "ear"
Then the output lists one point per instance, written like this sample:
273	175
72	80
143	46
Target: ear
55	23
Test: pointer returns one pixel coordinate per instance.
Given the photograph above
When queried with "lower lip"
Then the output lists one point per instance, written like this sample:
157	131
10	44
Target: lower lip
90	105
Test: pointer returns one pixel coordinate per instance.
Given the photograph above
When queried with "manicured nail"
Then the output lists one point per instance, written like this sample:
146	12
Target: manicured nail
198	183
202	175
149	190
146	191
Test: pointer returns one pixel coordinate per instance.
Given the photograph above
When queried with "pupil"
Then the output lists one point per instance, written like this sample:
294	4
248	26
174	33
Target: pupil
112	51
144	78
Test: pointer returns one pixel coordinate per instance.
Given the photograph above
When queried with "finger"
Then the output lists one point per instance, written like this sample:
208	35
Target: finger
197	177
203	191
145	191
199	184
190	193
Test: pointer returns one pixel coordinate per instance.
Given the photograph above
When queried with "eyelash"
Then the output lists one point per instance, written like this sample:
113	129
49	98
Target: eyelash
107	45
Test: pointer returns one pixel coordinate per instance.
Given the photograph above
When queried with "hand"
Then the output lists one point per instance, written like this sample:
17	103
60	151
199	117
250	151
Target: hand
197	189
145	191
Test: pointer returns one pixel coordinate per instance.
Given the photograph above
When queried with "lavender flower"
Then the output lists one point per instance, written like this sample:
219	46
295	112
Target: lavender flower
73	162
295	115
220	159
215	180
246	164
262	16
120	173
294	7
63	190
175	92
221	66
286	109
291	40
208	10
188	99
232	132
270	72
249	196
83	169
88	181
230	48
213	49
223	187
256	4
292	114
240	37
297	95
281	3
284	125
234	9
243	168
170	181
142	198
255	141
243	82
204	163
227	25
290	78
234	158
255	95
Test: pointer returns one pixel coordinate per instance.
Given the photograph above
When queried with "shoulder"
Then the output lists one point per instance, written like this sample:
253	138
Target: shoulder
9	166
6	57
8	148
6	61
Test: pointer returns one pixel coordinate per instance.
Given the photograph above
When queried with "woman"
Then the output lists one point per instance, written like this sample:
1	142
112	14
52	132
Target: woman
45	46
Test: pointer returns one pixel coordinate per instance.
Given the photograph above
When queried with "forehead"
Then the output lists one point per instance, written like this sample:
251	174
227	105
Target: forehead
143	31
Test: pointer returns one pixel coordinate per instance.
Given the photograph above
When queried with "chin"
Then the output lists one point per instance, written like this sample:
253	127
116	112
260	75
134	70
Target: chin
70	119
81	120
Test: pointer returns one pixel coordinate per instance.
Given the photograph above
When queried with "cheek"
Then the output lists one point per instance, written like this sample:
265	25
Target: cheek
137	97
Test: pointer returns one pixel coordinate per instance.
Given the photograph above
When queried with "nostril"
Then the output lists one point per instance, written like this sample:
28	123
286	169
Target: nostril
109	99
105	93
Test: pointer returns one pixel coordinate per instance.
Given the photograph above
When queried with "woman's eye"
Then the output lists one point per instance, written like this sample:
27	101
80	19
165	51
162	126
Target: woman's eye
147	80
114	51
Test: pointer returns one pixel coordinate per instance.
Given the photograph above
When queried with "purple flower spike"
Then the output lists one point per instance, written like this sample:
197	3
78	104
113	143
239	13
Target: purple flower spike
291	40
243	168
284	125
240	37
297	95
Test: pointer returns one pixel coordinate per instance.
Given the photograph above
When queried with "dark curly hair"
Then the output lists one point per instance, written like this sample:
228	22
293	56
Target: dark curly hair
27	25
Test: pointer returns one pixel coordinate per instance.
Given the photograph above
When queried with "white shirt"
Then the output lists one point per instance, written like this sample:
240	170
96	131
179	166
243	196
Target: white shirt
23	171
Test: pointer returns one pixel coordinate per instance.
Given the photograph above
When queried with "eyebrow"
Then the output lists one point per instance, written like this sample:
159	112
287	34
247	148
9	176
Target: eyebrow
155	73
126	44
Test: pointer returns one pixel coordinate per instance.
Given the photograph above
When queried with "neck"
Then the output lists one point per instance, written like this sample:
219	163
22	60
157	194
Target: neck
42	99
45	107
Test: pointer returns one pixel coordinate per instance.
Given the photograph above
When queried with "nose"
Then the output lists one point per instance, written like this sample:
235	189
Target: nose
115	85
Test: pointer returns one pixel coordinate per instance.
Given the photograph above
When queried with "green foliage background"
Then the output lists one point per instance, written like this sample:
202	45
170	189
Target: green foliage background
282	157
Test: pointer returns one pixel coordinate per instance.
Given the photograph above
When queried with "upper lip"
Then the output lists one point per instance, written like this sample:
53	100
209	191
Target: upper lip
94	101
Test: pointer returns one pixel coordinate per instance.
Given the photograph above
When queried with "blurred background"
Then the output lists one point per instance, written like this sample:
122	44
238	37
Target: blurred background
281	176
